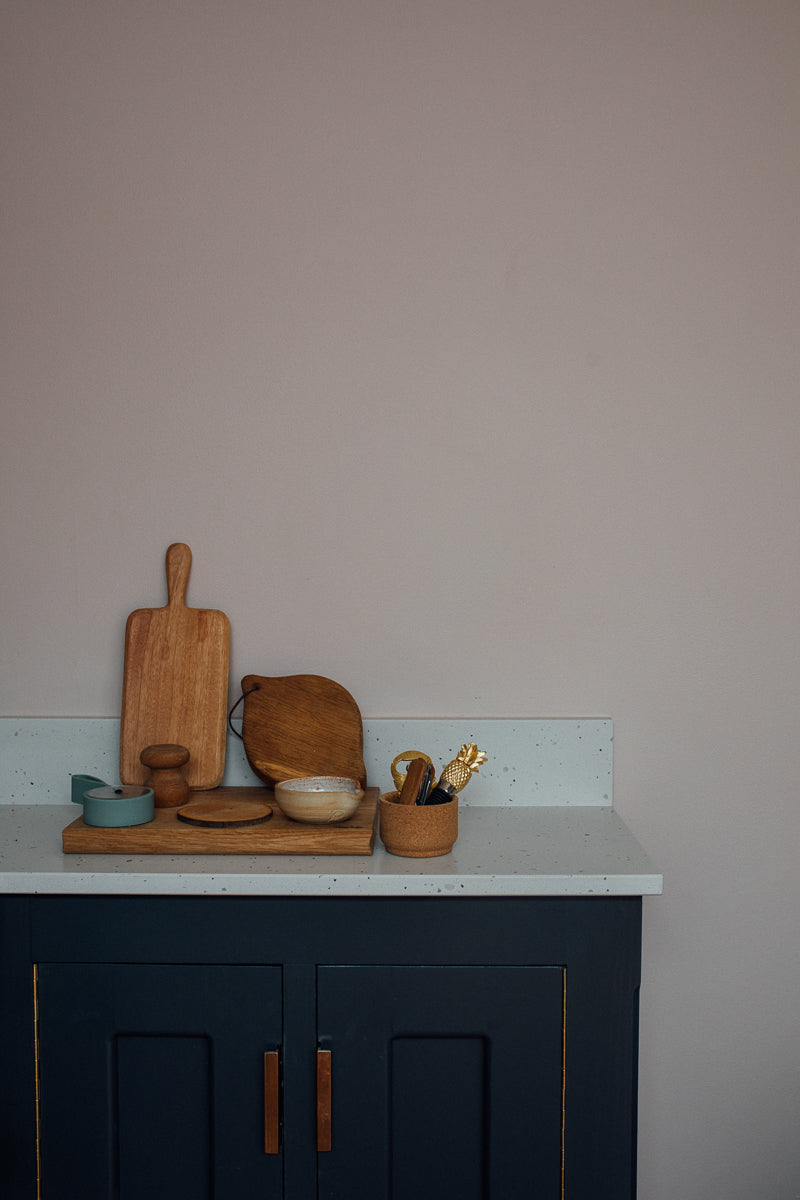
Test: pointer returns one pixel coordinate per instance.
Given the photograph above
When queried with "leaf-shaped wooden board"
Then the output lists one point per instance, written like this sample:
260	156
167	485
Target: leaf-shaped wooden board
297	725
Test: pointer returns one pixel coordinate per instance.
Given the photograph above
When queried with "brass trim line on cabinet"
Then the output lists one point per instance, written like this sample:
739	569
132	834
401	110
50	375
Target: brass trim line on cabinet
563	1076
36	1093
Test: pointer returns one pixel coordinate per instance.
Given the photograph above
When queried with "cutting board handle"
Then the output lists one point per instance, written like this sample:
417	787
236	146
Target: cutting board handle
179	564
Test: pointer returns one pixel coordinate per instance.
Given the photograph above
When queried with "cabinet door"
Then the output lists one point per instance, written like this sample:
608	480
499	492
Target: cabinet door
445	1081
152	1081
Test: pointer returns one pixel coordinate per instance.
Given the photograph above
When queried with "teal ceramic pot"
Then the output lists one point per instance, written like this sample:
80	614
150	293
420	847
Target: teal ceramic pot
115	807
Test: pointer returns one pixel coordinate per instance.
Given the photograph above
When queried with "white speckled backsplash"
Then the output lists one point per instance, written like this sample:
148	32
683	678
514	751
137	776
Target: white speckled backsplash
548	762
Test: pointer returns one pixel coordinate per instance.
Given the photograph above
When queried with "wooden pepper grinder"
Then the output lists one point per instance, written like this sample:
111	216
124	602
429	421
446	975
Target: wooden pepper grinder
170	789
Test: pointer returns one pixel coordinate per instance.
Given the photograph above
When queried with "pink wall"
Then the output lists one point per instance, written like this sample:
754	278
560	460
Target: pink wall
460	342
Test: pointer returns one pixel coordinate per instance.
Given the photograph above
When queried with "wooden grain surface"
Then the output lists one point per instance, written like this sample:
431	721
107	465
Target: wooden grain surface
175	681
165	834
272	1102
224	811
324	1100
413	781
296	725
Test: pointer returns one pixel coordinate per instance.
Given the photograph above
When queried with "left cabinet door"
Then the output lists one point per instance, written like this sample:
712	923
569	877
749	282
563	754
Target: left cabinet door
152	1081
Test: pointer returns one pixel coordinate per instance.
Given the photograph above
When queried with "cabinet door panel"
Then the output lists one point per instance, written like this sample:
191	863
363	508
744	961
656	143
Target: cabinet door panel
453	1076
164	1084
439	1085
151	1081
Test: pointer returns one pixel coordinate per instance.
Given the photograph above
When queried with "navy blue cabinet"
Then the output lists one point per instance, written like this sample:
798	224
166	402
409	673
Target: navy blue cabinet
151	1080
463	1069
390	1048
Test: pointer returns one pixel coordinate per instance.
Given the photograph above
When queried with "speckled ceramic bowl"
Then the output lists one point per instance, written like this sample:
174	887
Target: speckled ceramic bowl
318	799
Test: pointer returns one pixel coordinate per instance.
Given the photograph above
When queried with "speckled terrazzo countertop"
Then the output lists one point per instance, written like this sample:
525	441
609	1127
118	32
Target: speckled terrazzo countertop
530	851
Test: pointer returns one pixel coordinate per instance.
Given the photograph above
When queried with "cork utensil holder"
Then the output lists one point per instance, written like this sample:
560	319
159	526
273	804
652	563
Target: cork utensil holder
418	832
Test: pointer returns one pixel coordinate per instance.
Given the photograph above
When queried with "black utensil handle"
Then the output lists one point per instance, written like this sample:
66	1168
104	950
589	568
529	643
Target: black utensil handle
443	793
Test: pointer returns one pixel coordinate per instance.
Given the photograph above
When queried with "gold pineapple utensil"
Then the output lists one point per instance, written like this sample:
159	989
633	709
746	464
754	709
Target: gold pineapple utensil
457	774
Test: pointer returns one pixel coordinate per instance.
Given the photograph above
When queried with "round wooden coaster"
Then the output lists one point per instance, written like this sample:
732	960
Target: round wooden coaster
224	814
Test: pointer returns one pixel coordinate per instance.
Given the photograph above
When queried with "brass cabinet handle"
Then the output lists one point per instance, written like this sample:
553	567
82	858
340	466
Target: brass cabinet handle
323	1100
272	1128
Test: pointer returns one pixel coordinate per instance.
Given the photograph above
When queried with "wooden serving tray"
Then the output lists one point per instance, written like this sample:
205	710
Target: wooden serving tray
165	834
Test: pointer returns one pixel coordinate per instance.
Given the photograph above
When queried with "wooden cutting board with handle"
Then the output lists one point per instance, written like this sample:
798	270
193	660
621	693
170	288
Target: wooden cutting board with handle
298	725
175	681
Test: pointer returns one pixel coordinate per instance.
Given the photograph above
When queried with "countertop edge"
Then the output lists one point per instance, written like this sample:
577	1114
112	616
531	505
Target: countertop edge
299	885
500	852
